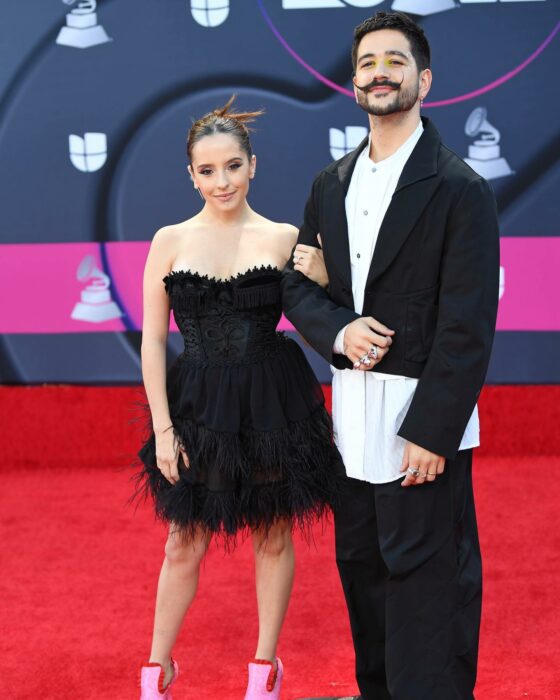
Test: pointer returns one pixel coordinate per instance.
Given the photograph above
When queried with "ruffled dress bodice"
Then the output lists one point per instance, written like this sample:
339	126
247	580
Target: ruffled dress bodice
227	322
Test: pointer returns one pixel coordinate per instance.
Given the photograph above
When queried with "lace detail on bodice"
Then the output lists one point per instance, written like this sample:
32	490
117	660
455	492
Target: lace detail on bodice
227	321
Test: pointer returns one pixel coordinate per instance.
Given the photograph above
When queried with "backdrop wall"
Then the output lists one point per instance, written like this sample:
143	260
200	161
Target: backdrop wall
95	103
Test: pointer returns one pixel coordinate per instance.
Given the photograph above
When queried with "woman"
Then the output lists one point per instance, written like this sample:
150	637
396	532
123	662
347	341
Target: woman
240	437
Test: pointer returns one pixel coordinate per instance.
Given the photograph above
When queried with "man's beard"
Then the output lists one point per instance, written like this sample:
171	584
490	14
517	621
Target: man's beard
403	100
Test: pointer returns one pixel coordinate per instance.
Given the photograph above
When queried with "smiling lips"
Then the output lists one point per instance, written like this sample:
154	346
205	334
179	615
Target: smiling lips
225	197
383	90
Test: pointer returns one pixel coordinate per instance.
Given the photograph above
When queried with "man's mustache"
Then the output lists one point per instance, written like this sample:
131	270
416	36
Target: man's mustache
379	83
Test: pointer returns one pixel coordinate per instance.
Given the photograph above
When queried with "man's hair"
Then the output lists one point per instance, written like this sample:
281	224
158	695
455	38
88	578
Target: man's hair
400	22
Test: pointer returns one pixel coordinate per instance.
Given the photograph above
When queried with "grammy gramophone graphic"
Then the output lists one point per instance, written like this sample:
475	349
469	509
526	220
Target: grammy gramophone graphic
95	303
81	30
484	153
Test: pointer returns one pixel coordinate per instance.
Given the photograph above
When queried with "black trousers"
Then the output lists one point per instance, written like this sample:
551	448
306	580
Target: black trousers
409	562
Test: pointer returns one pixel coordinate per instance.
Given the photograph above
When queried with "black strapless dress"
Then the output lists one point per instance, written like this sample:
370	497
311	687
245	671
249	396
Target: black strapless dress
248	410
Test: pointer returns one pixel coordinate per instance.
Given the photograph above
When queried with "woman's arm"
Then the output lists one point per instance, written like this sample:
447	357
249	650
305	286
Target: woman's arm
306	259
309	261
155	329
307	305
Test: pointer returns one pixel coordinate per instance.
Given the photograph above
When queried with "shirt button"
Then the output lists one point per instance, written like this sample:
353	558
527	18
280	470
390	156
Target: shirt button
373	169
365	212
358	255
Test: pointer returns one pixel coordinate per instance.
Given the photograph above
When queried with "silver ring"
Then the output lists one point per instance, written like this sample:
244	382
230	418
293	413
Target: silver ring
373	352
413	470
363	359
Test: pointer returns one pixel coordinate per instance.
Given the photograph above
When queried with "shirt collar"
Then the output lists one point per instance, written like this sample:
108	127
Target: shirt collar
397	158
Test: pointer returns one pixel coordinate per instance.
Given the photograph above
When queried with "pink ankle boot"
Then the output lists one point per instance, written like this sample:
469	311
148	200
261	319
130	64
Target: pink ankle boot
264	680
151	681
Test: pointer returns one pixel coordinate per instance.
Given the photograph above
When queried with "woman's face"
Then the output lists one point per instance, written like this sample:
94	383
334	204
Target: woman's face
221	169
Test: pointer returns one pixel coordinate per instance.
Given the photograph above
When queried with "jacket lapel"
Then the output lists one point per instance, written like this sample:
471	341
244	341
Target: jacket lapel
415	188
336	187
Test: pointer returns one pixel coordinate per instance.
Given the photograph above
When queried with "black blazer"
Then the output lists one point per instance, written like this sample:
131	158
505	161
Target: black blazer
433	279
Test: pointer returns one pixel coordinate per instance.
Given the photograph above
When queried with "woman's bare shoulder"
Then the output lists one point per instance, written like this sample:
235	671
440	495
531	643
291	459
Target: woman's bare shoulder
281	231
287	230
286	236
167	238
168	234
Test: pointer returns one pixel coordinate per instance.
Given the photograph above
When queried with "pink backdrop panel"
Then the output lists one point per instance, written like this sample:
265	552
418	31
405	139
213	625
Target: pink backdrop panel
530	284
39	287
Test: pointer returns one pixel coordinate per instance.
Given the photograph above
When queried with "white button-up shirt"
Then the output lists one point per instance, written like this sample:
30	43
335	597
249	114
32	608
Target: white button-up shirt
369	407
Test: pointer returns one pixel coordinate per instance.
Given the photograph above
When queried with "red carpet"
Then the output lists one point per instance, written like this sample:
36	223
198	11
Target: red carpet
80	567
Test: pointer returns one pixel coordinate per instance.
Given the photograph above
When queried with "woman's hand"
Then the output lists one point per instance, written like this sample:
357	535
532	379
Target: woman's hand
309	261
167	454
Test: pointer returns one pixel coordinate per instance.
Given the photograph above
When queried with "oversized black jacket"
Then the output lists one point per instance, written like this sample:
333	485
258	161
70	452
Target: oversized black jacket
433	279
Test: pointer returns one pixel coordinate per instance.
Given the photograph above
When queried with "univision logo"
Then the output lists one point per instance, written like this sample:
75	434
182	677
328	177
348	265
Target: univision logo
89	153
342	142
210	13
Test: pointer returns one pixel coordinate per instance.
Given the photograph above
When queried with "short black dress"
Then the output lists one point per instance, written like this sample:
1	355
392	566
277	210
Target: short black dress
248	410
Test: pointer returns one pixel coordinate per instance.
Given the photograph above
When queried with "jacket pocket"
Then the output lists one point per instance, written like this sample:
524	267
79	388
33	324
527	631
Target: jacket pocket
421	320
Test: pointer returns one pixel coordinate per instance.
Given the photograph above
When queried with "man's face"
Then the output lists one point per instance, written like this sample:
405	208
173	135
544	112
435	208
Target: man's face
387	73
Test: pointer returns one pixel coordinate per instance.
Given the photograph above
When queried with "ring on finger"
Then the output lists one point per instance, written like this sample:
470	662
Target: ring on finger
373	352
413	471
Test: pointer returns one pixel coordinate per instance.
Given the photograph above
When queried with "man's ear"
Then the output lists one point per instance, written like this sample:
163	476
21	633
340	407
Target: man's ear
425	83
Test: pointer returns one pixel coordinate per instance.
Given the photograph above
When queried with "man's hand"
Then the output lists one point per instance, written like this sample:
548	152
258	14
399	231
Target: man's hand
309	261
366	342
428	464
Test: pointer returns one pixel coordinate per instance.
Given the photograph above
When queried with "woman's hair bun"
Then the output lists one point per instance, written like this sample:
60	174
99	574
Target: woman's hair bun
244	118
224	120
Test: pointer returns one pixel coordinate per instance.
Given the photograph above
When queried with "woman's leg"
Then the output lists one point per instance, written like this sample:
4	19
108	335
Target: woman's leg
177	586
274	569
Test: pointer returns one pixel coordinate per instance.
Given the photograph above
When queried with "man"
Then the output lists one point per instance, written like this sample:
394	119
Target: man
410	242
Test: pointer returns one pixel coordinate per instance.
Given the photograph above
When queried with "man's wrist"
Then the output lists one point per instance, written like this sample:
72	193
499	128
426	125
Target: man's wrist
338	347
